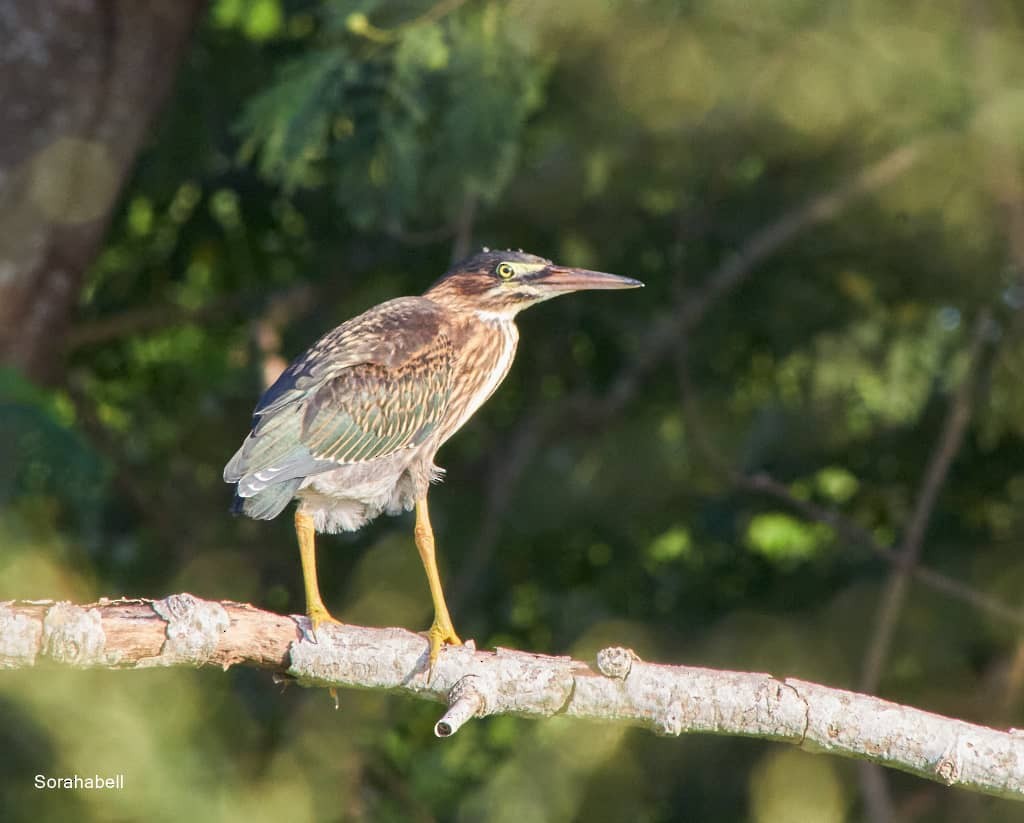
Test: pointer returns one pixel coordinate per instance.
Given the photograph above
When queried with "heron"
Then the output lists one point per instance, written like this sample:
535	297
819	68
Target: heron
351	428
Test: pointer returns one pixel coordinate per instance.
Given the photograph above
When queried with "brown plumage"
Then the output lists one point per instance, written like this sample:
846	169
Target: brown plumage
351	427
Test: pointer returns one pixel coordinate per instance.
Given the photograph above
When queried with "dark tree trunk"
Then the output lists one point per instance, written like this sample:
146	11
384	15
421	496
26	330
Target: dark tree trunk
81	82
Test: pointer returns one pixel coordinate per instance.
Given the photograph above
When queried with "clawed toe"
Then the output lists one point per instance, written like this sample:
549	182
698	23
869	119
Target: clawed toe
441	635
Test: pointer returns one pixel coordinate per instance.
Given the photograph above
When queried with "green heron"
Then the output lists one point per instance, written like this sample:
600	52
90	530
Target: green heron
351	427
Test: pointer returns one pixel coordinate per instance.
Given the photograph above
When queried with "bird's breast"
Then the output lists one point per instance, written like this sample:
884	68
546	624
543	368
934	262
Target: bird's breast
484	361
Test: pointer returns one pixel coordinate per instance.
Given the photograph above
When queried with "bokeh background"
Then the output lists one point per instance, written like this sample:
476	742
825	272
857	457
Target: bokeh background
824	376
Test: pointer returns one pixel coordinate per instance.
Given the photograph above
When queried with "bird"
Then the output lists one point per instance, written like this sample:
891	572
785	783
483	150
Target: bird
350	428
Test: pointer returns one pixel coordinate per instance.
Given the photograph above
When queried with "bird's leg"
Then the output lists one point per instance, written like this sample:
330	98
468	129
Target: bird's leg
315	608
441	631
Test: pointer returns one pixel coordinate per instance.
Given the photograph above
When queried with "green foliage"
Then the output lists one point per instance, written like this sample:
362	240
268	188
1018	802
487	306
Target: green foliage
318	157
836	484
784	539
670	546
291	122
45	462
402	121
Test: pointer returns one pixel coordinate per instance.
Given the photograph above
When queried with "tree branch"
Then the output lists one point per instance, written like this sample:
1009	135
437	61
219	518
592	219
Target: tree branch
182	630
950	440
78	105
687	313
846	527
667	331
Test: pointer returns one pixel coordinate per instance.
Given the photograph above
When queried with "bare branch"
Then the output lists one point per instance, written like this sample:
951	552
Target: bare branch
146	319
665	332
845	527
182	630
858	535
905	561
946	449
284	305
690	310
463	240
1005	184
507	469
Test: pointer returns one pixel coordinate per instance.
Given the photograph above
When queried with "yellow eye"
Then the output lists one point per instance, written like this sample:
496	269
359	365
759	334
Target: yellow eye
505	271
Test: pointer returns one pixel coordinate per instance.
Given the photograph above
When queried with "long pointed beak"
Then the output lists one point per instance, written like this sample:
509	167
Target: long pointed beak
561	279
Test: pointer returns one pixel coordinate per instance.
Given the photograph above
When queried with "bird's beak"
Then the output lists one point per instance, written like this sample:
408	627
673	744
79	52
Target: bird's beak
561	280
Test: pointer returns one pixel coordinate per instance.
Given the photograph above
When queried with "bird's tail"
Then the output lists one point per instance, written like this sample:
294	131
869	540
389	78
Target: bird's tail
267	503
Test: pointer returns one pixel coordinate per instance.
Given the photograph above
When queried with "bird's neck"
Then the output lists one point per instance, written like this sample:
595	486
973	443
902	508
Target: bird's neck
495	317
495	330
486	345
490	337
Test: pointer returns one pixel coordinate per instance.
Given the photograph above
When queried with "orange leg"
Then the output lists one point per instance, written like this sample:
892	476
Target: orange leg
441	631
315	608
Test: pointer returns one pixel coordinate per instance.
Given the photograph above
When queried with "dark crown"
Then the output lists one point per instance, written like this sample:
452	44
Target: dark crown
486	260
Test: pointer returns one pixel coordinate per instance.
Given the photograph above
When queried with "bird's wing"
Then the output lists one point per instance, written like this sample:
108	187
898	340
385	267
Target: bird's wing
370	411
390	335
375	385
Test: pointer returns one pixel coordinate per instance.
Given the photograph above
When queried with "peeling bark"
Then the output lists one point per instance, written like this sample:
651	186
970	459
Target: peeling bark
182	630
82	80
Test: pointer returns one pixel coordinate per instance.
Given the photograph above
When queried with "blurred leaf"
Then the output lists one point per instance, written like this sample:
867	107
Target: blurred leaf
784	539
671	545
289	124
836	483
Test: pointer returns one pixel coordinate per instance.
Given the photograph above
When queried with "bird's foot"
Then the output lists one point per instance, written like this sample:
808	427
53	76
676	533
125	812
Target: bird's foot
318	616
441	633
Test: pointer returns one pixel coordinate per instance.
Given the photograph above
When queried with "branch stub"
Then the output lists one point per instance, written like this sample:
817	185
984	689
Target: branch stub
465	700
616	661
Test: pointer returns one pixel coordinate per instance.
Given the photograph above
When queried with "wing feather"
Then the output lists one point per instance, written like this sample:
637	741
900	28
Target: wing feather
374	386
370	411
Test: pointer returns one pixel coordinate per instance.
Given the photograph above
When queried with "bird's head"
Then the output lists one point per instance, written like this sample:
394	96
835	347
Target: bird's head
503	283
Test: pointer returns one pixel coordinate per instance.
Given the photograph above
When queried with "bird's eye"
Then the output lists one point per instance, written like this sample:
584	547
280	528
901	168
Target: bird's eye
505	271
